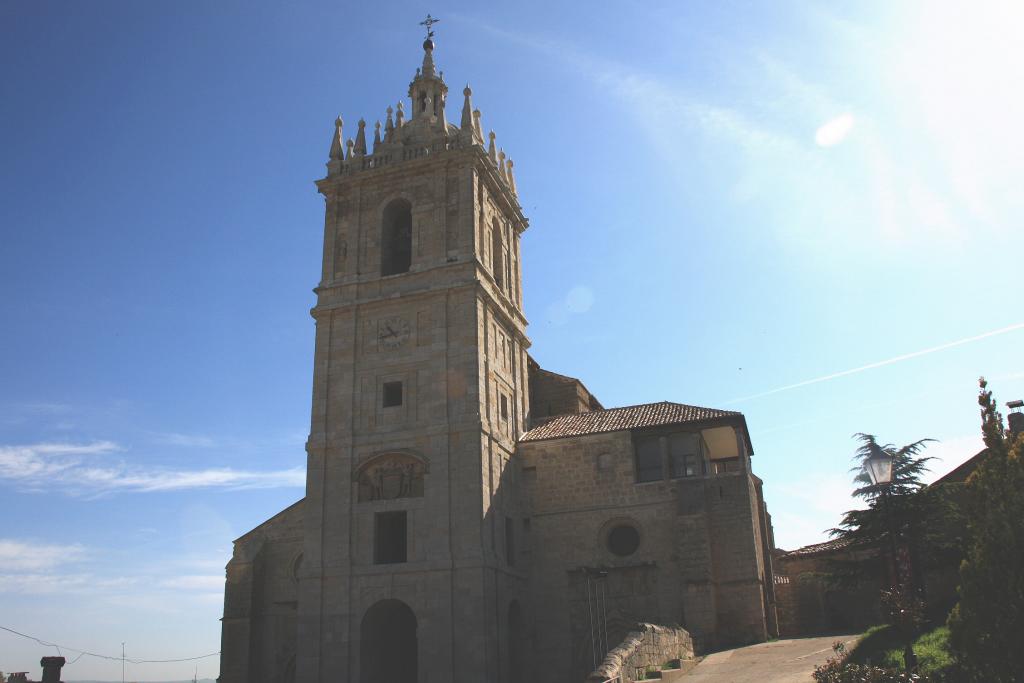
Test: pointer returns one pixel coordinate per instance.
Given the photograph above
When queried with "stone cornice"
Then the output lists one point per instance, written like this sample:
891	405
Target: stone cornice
502	304
373	166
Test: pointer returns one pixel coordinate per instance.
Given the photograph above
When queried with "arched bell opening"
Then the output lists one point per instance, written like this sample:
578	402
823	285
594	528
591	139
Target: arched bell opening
396	238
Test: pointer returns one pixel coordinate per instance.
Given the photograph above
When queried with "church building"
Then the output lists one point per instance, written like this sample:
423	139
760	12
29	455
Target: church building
469	516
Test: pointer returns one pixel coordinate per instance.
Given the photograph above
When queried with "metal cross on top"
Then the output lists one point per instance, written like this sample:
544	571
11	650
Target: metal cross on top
429	23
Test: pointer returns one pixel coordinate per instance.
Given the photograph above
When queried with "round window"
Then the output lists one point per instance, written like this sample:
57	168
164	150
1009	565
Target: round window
623	540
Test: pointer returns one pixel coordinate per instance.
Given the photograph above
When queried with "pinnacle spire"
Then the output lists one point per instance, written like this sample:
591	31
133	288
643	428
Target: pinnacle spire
389	126
511	178
501	164
490	149
427	71
361	138
428	47
466	124
400	116
337	141
478	132
376	136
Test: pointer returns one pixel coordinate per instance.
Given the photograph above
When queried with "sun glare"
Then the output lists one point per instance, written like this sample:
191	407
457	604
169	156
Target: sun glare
958	73
835	131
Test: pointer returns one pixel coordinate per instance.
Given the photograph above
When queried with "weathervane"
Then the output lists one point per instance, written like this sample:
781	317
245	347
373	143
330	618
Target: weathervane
429	23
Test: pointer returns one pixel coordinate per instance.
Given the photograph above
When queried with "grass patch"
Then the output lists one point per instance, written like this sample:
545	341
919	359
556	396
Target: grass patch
883	646
932	649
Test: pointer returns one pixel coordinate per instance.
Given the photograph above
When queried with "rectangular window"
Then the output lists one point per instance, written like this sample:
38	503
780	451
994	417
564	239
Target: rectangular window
392	394
684	455
506	424
726	465
648	459
510	541
389	537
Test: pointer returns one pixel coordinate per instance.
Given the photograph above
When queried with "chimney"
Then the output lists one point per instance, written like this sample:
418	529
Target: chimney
51	668
1015	419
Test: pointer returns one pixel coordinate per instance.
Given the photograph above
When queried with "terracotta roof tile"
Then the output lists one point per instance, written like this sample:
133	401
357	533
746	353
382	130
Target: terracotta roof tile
619	419
819	548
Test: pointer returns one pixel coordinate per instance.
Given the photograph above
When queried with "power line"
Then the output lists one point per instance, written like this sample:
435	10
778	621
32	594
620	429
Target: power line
84	653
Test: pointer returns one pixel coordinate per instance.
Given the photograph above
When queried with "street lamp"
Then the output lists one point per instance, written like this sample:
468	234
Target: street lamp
879	470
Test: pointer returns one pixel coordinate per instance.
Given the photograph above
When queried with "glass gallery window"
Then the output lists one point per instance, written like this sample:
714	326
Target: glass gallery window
668	455
648	459
684	456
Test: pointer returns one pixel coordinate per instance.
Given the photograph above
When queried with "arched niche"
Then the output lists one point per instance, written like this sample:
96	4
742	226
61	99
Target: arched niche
391	476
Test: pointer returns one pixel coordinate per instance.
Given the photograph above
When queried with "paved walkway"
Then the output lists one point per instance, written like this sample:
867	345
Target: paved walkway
781	661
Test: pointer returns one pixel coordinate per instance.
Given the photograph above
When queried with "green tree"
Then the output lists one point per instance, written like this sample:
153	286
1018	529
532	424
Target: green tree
907	466
987	625
910	505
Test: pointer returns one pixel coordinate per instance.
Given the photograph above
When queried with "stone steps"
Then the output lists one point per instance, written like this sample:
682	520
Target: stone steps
685	666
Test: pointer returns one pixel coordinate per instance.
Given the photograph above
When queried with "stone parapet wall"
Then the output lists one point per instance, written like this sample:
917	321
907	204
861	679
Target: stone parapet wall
648	646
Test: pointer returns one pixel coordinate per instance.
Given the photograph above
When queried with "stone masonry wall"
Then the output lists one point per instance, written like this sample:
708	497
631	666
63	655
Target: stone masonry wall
260	599
649	645
461	361
697	564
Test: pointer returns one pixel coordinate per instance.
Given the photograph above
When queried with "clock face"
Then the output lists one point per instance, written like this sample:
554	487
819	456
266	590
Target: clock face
393	332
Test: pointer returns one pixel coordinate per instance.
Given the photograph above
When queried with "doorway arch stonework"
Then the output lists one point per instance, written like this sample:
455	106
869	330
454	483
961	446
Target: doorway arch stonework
388	644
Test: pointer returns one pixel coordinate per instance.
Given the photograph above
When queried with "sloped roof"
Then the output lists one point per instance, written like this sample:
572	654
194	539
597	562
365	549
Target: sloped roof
619	419
834	545
965	469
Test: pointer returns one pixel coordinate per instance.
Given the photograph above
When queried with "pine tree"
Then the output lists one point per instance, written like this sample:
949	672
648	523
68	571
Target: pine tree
987	626
908	506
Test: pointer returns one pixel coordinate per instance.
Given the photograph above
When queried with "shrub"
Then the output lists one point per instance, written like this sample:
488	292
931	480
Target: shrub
840	670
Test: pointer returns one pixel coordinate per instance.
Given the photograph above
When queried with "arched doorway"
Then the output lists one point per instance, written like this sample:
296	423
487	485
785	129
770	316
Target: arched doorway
516	650
388	648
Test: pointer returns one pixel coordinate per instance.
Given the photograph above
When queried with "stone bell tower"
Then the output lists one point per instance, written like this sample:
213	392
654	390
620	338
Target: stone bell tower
412	523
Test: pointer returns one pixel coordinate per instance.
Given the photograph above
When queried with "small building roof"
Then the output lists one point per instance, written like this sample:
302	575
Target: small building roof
959	474
619	419
835	545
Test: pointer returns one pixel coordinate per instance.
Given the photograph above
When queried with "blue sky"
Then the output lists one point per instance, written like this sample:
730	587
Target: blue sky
727	201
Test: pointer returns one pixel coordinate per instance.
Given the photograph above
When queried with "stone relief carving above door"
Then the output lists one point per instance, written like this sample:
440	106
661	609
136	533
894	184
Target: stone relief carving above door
391	476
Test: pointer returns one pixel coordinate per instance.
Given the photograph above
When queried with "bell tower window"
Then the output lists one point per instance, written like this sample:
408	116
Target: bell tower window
396	238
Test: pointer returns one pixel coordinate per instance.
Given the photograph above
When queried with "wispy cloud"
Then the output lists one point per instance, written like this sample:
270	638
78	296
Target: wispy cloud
56	583
822	499
882	363
22	555
784	136
195	582
74	469
41	407
949	453
186	440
